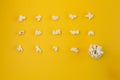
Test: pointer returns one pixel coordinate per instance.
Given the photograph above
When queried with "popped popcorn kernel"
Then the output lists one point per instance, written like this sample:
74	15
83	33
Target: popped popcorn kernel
38	32
95	51
38	50
91	33
89	15
38	17
19	48
74	32
56	32
74	49
55	48
55	18
21	32
21	18
72	16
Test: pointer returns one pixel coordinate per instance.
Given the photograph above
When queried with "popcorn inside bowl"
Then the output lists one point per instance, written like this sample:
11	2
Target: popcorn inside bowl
95	51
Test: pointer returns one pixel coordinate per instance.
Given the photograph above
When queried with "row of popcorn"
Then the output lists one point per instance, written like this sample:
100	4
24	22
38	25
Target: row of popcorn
89	15
95	51
58	32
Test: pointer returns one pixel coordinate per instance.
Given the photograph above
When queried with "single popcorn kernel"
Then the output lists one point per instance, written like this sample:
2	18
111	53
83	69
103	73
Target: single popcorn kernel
89	15
55	18
21	32
38	32
91	33
56	32
19	48
38	17
74	32
95	51
21	18
74	49
38	49
55	48
72	16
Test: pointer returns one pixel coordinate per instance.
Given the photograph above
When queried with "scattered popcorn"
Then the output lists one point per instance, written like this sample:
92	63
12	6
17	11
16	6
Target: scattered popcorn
72	16
19	48
37	49
90	33
56	32
89	15
74	32
21	18
38	32
74	49
38	17
55	48
95	51
55	18
21	32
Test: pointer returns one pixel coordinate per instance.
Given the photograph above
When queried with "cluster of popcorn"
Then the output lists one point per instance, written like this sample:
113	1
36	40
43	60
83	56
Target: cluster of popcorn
95	51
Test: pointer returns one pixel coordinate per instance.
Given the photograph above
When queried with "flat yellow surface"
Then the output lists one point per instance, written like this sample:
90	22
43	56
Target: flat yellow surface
63	65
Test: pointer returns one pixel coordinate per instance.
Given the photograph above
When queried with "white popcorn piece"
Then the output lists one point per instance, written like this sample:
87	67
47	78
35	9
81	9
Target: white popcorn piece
38	49
21	18
56	32
89	15
91	33
95	51
19	48
21	32
72	16
55	18
55	48
74	49
38	32
38	17
74	32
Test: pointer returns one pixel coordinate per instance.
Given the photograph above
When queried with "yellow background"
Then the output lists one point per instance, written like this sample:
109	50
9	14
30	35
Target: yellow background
63	65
